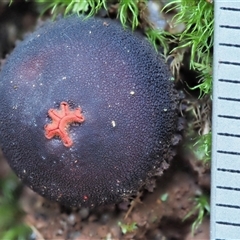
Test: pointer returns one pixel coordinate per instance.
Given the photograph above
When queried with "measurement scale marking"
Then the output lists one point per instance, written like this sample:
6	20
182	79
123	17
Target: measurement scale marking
227	205
225	167
230	27
228	116
228	152
230	63
228	170
229	80
230	9
228	223
229	99
230	45
229	135
228	188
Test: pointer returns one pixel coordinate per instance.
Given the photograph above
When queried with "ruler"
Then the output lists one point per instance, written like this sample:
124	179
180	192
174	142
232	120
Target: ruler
225	185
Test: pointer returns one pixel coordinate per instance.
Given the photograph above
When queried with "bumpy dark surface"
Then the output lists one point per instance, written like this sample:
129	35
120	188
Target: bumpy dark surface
112	75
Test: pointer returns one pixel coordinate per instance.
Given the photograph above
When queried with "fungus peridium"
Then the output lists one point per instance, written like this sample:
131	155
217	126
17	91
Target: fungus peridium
123	87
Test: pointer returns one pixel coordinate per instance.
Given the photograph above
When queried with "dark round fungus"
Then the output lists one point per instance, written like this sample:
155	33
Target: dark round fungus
88	111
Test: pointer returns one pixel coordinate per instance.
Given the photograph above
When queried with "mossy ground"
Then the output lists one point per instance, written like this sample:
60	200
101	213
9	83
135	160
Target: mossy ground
189	49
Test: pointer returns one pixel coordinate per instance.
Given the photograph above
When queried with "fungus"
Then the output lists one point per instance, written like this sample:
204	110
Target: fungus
117	101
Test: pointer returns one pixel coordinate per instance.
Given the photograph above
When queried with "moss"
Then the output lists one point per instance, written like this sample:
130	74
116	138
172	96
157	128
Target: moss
127	228
202	147
72	6
201	209
11	227
128	10
197	16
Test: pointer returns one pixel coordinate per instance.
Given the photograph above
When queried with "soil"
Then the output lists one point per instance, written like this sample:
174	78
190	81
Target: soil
156	213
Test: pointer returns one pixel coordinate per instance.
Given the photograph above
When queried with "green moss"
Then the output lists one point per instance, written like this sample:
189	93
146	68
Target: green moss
197	15
158	37
11	226
198	18
202	147
201	209
164	197
128	10
127	228
72	6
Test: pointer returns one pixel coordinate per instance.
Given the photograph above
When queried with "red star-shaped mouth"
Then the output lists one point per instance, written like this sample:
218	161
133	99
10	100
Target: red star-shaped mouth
61	119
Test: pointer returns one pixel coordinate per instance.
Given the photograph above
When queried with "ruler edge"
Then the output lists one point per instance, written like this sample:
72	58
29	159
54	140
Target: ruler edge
215	106
214	130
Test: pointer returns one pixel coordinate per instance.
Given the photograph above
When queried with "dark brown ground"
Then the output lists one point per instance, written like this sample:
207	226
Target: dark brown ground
154	218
